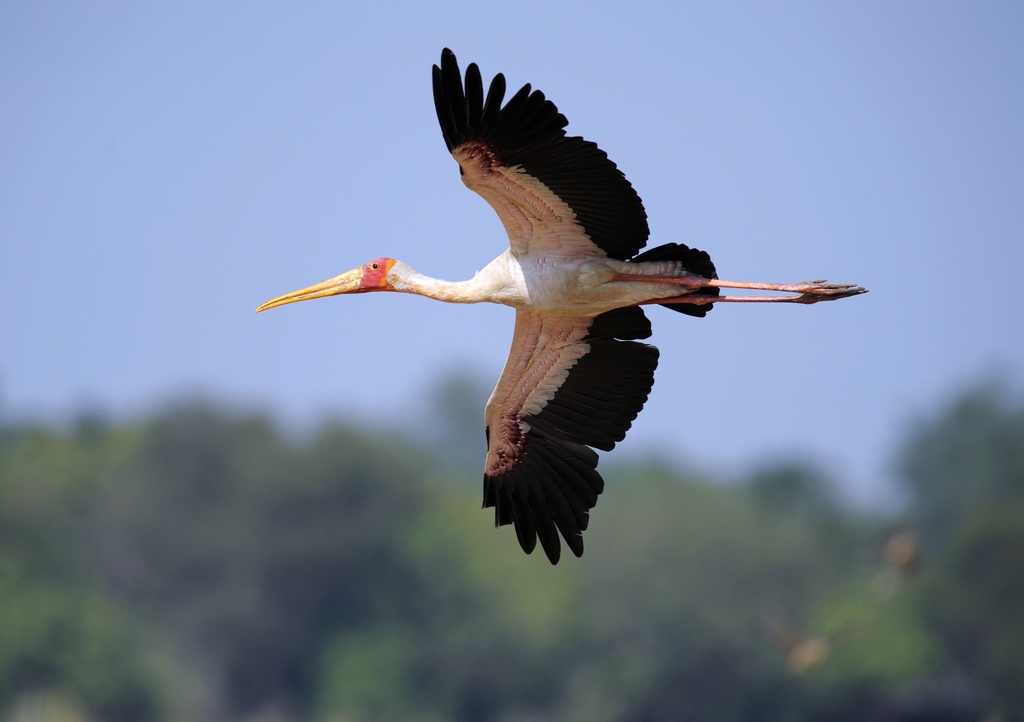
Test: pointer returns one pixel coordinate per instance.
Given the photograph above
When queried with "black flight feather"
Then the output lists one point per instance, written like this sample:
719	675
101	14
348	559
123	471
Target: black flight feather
555	483
530	132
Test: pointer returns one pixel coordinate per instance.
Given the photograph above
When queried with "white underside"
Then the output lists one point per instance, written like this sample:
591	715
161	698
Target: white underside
546	284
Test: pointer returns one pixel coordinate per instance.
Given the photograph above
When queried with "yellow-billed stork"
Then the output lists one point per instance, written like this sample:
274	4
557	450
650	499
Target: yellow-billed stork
576	375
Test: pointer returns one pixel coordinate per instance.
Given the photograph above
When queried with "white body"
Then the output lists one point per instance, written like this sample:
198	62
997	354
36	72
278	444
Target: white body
547	284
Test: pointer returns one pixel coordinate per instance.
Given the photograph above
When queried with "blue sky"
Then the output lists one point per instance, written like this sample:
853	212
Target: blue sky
166	167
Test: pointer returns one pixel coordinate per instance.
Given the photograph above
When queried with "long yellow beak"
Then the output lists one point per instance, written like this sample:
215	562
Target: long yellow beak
345	283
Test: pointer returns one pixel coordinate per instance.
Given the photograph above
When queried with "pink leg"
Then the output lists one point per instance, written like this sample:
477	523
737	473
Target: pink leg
807	291
699	299
823	291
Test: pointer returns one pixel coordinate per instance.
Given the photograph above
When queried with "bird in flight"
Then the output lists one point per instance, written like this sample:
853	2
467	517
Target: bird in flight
577	374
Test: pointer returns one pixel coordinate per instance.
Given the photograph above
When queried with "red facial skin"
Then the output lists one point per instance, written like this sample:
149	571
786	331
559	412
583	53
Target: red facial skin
375	275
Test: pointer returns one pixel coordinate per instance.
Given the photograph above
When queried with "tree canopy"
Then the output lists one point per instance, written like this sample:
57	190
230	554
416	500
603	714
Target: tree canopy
205	565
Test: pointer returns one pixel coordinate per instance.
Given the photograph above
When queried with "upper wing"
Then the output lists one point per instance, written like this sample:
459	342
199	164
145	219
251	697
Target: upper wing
569	383
555	194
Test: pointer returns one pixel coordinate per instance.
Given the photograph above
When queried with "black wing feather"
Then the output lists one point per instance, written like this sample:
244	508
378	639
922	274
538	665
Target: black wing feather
530	132
555	482
495	94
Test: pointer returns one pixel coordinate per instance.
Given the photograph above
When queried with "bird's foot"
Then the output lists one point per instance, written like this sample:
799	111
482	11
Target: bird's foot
815	291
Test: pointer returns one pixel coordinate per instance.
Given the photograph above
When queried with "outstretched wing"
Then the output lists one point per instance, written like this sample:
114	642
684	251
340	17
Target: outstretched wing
556	195
569	384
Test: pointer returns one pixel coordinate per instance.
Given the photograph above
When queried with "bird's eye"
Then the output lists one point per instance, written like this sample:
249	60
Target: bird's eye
374	266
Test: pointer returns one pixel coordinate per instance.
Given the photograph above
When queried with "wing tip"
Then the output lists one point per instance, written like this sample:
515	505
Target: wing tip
546	496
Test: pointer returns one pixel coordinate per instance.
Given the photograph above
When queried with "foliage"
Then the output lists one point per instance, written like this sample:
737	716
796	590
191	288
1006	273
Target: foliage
975	597
205	566
249	552
970	454
57	629
966	470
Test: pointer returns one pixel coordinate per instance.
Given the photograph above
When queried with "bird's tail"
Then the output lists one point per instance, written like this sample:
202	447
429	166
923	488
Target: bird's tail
692	261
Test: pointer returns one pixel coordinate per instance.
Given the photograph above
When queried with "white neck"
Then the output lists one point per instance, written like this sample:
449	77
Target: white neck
500	281
411	281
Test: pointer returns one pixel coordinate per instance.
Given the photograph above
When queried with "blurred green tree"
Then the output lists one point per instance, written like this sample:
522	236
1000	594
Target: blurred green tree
679	576
801	493
974	596
969	454
57	629
965	468
454	423
204	565
251	553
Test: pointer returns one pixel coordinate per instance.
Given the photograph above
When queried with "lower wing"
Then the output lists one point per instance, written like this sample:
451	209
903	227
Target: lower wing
570	383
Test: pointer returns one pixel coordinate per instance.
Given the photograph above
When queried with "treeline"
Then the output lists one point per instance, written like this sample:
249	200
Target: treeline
205	566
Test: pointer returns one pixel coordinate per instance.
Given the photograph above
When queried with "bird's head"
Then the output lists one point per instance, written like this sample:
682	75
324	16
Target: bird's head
372	276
